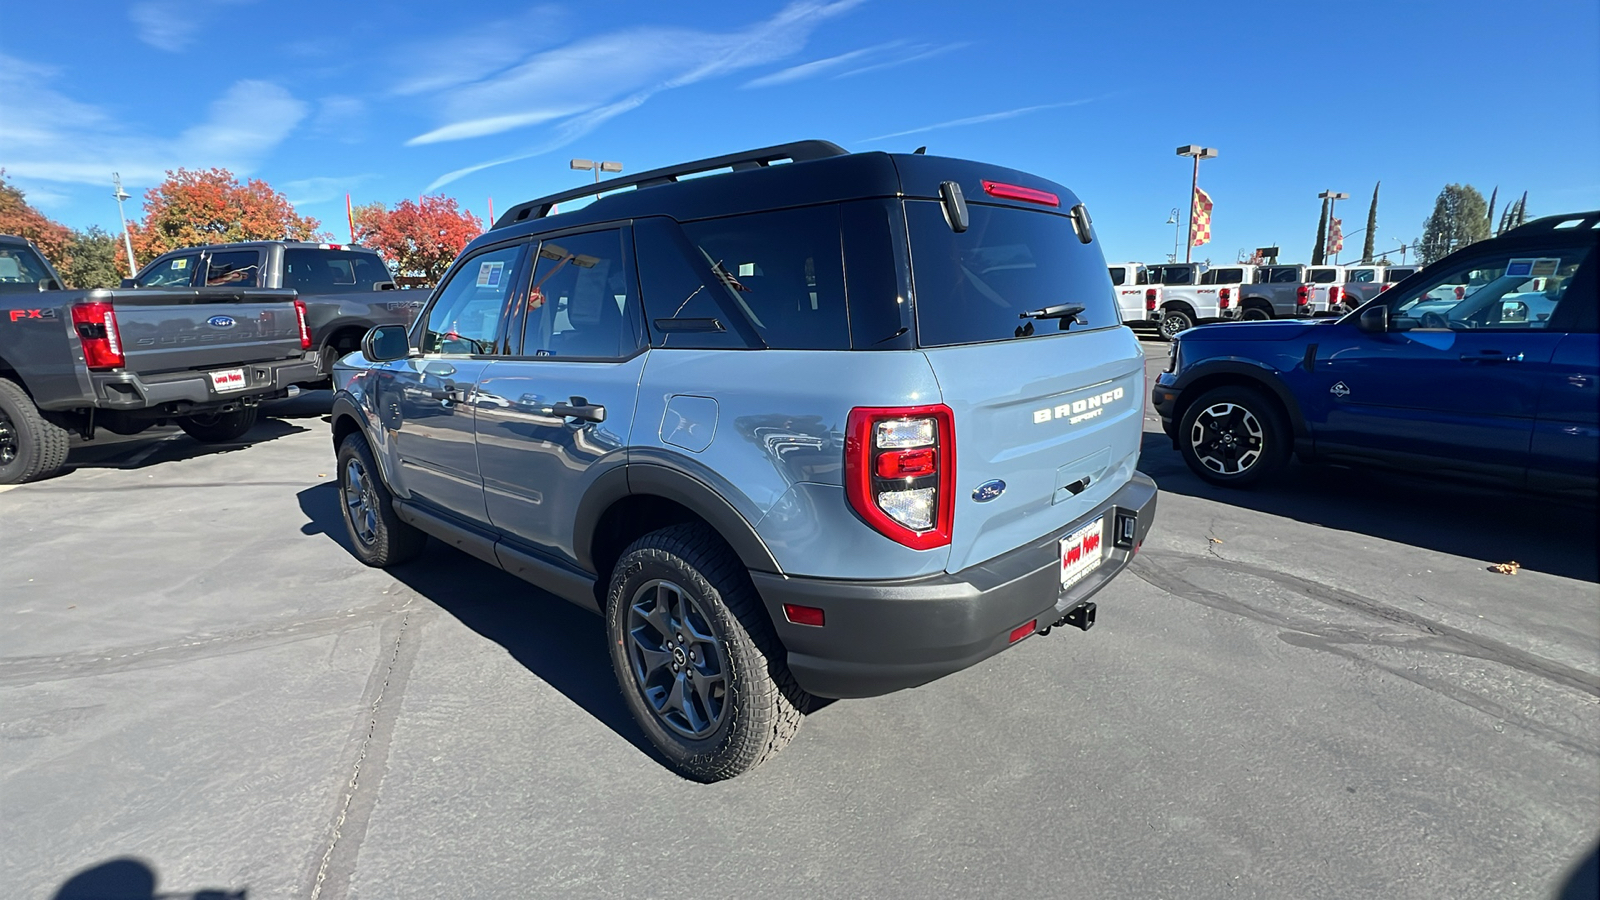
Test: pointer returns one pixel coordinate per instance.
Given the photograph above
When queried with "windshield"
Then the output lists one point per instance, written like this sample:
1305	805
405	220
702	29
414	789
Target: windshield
975	286
20	267
311	270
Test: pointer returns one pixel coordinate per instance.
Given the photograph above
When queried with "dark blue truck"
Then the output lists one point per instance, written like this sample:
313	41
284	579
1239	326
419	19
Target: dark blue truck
1485	366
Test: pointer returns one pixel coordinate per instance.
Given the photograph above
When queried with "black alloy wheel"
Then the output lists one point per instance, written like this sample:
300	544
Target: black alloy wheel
676	659
1233	436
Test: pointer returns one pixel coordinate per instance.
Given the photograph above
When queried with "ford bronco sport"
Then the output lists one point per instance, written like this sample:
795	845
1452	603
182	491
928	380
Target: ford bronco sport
828	424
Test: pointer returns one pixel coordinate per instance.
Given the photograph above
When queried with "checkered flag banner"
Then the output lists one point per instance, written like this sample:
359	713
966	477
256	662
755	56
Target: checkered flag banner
1200	219
1335	236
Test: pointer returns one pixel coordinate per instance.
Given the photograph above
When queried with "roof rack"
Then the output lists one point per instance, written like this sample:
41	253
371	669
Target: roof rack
1584	221
798	151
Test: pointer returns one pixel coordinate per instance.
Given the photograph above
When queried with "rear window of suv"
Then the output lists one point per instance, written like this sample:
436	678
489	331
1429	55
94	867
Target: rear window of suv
316	271
974	286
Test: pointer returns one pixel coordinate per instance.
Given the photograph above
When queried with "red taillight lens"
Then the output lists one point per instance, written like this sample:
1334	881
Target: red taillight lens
1226	295
1302	295
96	324
1382	288
900	472
804	615
1017	192
1333	295
305	330
1150	299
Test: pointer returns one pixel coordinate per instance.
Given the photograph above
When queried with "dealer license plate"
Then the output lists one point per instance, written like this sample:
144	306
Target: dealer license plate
229	380
1081	553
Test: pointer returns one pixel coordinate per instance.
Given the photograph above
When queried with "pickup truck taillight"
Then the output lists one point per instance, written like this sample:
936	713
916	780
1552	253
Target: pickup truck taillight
1302	295
96	324
900	472
305	331
1333	295
1224	296
1150	299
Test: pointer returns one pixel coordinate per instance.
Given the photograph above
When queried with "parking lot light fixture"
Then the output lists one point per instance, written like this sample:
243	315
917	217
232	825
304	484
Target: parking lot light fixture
589	165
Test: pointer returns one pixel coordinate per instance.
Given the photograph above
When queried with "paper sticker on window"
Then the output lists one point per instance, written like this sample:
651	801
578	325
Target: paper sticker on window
489	273
181	262
1544	268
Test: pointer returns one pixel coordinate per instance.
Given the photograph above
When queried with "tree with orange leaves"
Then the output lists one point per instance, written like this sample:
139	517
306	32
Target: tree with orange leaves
18	217
213	207
420	238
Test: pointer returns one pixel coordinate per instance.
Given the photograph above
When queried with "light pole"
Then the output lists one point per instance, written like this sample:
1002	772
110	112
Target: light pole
127	242
1332	197
1199	153
584	165
1177	236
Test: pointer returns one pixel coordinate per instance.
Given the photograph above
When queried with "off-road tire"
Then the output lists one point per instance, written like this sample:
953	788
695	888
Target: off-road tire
1184	321
390	541
37	446
762	707
220	428
1259	418
1254	314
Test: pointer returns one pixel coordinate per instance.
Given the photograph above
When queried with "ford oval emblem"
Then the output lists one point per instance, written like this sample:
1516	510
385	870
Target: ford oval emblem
221	322
989	490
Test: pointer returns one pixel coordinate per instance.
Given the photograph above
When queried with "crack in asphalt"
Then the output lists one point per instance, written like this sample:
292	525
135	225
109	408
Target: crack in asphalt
22	670
1160	570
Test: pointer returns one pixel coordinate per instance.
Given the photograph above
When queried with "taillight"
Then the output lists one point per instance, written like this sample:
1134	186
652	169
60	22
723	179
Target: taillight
900	472
1150	299
1226	294
1017	192
96	324
305	330
1333	295
1302	295
1383	287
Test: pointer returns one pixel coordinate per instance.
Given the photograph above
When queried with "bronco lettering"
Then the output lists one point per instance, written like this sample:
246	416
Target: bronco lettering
1079	410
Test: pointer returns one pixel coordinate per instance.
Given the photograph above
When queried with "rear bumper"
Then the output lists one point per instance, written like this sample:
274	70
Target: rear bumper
178	391
882	636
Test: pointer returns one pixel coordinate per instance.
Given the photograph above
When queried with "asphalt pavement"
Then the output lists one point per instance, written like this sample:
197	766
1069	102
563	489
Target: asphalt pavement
1314	689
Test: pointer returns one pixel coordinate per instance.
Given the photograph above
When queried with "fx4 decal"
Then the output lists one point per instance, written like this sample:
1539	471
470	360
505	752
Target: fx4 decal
18	315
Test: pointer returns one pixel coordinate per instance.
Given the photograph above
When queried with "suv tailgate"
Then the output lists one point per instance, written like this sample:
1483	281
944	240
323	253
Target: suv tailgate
173	330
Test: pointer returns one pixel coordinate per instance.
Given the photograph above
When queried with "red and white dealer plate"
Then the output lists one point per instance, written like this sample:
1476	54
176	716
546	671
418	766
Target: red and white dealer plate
229	380
1081	552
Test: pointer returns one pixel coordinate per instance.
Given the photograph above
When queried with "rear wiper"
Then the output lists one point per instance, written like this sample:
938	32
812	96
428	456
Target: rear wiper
1064	311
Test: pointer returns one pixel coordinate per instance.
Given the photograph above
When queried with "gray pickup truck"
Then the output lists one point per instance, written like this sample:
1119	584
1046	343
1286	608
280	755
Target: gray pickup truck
1278	292
125	360
346	288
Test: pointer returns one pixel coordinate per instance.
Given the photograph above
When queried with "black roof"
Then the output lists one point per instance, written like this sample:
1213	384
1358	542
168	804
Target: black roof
816	172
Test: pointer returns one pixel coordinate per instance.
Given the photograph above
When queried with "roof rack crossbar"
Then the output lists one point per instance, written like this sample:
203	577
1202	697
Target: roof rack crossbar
797	151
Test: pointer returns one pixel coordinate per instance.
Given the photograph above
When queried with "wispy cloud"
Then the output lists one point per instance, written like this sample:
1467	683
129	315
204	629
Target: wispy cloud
53	137
323	188
172	25
819	66
918	53
977	120
587	82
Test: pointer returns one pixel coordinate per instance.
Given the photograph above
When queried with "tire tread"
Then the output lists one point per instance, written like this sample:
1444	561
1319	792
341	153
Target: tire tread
51	442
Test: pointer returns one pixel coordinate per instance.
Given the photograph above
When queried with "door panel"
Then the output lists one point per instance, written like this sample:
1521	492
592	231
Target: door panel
433	439
1566	437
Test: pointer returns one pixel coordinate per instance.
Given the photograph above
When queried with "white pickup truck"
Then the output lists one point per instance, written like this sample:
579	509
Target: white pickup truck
1179	306
1136	297
1327	289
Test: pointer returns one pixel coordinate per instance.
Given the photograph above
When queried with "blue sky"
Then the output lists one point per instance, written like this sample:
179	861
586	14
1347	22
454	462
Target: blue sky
491	99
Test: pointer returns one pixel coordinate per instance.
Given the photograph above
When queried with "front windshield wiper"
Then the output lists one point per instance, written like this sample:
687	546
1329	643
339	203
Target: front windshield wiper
1064	311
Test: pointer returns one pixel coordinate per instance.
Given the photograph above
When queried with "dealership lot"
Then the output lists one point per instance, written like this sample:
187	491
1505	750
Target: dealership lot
1315	689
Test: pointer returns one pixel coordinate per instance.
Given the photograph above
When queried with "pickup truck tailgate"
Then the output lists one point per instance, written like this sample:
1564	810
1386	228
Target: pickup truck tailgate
166	331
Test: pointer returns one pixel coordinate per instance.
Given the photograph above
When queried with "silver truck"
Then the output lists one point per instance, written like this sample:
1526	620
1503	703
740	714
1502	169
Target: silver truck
346	288
1276	292
125	360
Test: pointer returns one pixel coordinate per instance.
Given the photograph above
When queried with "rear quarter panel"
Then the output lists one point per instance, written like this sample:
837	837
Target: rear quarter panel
38	345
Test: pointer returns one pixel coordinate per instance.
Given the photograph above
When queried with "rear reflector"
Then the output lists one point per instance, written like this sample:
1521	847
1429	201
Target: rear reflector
1018	192
1022	631
803	615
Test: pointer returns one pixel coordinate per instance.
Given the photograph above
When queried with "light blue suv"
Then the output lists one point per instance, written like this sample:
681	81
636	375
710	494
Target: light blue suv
822	425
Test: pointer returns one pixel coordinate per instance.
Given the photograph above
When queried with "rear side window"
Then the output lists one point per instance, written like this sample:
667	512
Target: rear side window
234	268
310	270
1361	276
582	304
1282	276
1322	276
1119	276
19	265
1225	276
974	286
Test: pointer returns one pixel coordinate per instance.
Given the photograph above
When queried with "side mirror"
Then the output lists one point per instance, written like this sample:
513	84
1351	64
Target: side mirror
128	283
1374	319
385	286
386	343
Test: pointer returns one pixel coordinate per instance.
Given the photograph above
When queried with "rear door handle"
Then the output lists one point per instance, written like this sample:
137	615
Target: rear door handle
452	393
1490	357
579	408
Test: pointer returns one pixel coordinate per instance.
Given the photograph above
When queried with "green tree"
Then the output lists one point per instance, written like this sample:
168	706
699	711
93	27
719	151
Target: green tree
1372	226
93	260
1322	236
1460	217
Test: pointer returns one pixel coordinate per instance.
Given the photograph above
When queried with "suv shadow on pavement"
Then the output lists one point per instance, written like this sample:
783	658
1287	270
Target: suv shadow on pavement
1543	535
561	644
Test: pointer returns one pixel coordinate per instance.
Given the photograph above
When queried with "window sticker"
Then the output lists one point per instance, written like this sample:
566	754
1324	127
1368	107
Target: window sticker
181	262
1544	268
489	273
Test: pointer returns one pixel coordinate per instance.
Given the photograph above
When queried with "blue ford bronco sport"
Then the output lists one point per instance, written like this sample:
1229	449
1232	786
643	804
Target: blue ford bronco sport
1484	366
824	425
